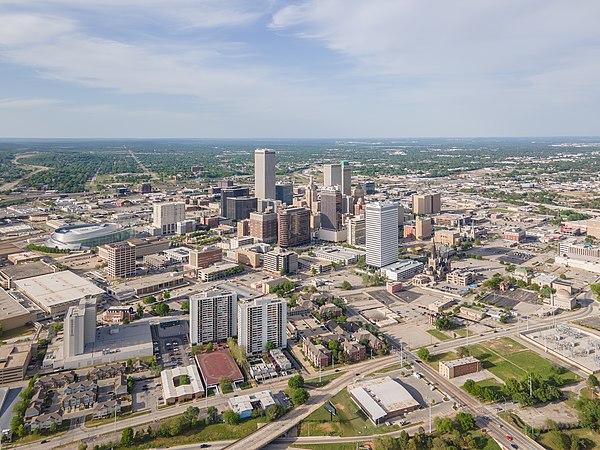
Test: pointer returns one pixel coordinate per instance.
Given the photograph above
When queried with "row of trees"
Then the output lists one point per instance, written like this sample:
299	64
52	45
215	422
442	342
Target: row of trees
450	435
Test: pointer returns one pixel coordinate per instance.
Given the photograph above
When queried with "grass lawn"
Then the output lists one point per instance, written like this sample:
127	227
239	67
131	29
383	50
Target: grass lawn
350	420
216	432
325	379
91	422
391	368
435	359
583	433
340	446
460	332
506	358
439	335
17	332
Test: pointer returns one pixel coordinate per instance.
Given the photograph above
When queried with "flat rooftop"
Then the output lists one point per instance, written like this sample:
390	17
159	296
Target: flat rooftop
460	362
14	355
218	268
27	270
57	288
385	393
217	364
148	281
170	390
10	307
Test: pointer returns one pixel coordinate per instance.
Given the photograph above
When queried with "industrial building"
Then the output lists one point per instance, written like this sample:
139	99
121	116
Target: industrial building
12	313
56	292
382	399
146	286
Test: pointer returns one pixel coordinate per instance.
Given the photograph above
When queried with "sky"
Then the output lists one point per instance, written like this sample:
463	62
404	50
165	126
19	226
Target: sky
305	68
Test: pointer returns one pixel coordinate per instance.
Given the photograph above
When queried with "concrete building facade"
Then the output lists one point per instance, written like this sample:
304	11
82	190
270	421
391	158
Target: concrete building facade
213	316
381	240
261	321
264	173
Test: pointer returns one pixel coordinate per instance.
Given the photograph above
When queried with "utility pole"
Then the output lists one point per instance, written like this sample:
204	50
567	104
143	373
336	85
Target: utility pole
530	386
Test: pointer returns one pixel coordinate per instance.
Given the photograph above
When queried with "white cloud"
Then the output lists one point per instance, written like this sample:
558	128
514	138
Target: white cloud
21	103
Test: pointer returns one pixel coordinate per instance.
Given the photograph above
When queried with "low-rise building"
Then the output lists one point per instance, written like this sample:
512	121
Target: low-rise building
117	314
12	313
382	399
461	277
181	383
45	421
440	305
281	261
401	270
338	255
447	238
146	286
14	359
245	404
317	354
459	367
514	235
219	271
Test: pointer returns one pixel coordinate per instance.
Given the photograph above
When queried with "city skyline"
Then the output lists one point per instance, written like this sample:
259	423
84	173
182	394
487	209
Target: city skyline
302	69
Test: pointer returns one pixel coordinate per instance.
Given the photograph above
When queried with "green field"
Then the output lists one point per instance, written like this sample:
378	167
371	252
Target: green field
216	432
325	379
341	446
506	359
439	335
349	421
592	438
435	359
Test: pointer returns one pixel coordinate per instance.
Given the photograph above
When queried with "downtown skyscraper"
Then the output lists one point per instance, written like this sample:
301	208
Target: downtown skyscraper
381	220
264	174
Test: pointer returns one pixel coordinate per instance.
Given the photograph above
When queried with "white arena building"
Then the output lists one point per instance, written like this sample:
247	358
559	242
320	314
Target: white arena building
76	237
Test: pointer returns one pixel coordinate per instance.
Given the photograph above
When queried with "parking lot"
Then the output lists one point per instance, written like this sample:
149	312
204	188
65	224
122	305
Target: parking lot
171	346
147	394
510	298
516	257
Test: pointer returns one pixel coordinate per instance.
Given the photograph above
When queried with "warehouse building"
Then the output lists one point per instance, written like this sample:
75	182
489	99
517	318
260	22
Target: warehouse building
56	292
382	399
459	367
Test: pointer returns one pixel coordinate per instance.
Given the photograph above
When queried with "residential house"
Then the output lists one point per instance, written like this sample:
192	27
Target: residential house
45	421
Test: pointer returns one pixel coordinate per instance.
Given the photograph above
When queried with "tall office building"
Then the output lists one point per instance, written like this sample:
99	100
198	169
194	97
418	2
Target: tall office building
427	203
79	328
232	192
423	228
280	261
346	176
331	209
381	223
293	226
166	215
332	175
370	187
239	208
285	193
213	316
356	231
264	173
263	226
261	321
120	257
311	194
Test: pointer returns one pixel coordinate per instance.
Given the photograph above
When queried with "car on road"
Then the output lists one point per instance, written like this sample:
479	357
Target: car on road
509	437
515	446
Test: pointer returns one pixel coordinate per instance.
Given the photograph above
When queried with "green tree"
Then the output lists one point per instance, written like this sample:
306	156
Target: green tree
225	384
166	295
270	346
296	382
346	285
592	381
127	437
424	354
185	305
443	425
231	417
212	413
299	396
465	422
209	347
161	309
140	311
150	299
275	411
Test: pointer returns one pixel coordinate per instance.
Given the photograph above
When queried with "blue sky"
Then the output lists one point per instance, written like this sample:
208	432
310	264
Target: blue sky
308	68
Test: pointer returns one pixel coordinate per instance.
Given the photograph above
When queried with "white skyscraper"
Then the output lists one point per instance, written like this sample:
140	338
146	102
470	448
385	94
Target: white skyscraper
264	173
79	327
166	215
381	223
260	321
213	316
